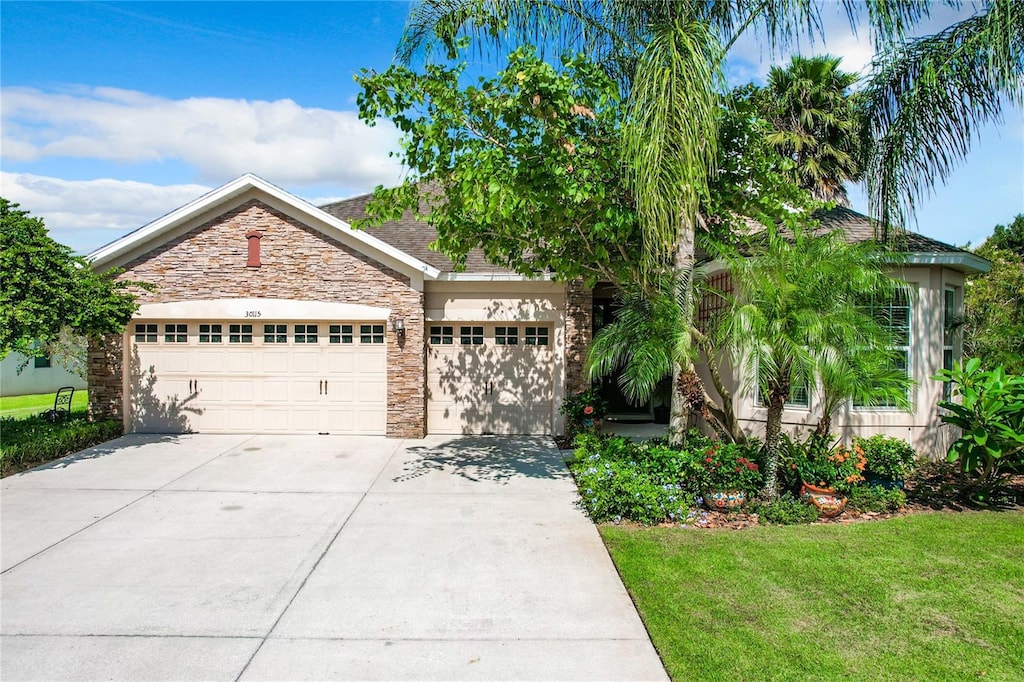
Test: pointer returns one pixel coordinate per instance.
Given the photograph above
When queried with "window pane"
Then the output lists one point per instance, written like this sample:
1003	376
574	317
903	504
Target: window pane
146	333
275	333
176	333
471	336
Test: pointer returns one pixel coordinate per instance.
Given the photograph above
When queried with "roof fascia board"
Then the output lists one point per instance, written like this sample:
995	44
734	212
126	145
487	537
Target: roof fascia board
286	202
968	262
492	277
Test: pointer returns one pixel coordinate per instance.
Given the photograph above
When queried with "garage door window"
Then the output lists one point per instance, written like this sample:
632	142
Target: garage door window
210	333
536	336
471	336
275	333
240	333
306	333
340	333
506	336
145	333
371	333
176	333
444	336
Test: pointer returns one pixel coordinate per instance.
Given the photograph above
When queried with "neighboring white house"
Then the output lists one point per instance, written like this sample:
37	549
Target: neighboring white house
37	375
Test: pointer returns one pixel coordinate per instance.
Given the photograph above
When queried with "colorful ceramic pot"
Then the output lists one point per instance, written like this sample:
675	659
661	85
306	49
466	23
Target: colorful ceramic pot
725	499
827	500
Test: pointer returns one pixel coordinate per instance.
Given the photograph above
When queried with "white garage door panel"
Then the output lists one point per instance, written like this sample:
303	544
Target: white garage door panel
258	388
487	388
241	361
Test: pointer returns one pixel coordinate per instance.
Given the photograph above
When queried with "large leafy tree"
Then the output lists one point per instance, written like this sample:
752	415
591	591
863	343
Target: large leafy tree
523	165
46	291
994	301
816	124
797	316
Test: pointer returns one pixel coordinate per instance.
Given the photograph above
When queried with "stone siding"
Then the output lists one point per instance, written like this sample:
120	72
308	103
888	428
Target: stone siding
579	332
105	357
297	263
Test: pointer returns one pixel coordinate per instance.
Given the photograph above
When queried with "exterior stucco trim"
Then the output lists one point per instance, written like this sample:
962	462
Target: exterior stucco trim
255	309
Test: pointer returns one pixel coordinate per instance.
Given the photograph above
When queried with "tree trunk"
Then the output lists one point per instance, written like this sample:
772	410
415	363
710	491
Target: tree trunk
680	413
772	430
824	426
682	263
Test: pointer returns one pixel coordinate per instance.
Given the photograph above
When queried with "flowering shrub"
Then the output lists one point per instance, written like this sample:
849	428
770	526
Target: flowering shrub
827	467
586	406
640	482
890	458
727	466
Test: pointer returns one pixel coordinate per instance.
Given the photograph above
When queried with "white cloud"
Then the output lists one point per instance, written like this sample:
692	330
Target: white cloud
88	213
220	138
105	204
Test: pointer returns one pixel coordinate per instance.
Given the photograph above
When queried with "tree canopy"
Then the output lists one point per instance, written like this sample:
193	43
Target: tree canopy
994	301
47	290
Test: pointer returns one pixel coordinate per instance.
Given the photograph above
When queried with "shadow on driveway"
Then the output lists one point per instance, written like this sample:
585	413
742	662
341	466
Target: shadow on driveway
496	459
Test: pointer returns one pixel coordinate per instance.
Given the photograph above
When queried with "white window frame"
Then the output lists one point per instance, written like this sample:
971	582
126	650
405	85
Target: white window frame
905	349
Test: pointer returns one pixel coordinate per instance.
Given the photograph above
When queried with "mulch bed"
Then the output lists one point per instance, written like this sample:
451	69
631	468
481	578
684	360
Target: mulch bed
936	487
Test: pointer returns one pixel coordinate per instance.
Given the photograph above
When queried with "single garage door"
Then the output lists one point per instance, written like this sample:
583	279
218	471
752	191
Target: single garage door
267	377
489	378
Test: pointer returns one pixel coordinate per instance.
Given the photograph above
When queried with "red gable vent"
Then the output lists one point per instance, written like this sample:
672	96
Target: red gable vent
254	248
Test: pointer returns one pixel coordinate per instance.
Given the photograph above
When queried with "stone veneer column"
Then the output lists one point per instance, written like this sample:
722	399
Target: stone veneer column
579	330
407	373
105	376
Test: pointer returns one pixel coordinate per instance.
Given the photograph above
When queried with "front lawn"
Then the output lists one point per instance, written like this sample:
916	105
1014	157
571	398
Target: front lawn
19	406
922	597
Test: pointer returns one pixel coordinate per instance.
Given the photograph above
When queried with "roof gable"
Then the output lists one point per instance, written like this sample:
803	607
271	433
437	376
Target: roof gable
244	188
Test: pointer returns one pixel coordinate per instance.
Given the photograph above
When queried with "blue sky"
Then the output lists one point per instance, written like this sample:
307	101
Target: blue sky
116	113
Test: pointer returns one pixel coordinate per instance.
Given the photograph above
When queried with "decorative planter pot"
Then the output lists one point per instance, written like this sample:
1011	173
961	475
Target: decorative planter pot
880	482
827	500
725	499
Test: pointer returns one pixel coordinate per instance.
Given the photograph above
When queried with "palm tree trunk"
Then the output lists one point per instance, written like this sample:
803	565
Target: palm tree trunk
772	430
679	415
683	265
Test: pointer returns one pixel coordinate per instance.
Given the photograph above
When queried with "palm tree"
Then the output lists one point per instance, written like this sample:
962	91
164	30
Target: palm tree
816	124
647	339
926	98
798	317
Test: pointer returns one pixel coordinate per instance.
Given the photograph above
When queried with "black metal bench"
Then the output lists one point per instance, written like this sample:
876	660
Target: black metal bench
61	405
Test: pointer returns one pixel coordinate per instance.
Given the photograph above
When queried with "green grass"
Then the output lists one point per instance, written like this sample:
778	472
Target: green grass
19	406
924	597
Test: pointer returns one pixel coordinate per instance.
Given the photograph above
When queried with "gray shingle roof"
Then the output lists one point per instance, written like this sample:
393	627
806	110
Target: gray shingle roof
411	236
414	237
858	227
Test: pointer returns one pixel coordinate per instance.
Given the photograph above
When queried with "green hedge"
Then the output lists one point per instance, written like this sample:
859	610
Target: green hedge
28	442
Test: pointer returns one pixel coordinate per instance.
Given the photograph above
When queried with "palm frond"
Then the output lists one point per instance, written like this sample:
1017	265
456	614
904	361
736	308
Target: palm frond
668	137
926	100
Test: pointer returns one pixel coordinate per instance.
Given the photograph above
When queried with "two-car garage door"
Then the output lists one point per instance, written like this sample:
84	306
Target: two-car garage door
267	377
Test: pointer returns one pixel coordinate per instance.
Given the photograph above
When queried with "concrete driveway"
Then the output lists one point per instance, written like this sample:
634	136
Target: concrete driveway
320	557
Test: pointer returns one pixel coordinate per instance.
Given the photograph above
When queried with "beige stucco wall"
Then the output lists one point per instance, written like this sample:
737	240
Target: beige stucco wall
921	427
